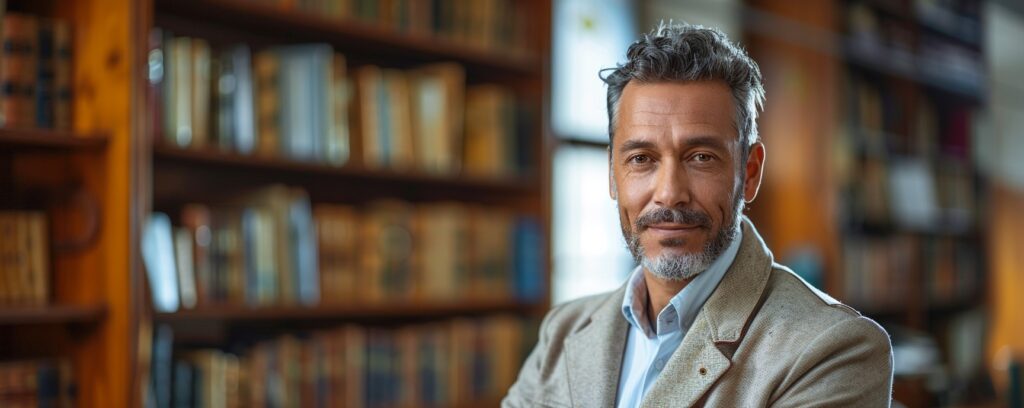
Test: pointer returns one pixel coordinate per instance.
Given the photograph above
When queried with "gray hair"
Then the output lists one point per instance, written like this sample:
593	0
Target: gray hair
685	52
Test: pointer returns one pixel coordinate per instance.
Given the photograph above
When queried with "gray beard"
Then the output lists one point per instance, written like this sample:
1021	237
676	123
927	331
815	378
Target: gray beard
687	266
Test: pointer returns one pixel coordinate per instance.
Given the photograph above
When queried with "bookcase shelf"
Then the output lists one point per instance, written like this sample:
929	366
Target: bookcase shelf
482	214
45	139
352	312
192	166
347	35
912	73
52	314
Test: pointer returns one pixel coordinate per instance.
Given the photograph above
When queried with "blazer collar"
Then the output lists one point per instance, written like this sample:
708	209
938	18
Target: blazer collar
706	352
594	352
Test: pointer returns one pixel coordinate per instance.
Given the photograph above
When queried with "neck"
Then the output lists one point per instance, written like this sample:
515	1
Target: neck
659	292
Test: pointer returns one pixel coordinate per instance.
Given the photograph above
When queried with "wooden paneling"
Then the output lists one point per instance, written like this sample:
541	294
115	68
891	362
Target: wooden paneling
102	102
1005	235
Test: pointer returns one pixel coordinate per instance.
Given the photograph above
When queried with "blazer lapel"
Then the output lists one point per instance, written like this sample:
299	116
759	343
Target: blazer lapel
594	355
705	353
693	368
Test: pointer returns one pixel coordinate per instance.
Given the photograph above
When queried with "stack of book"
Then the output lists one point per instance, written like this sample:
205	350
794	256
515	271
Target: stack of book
35	72
36	383
303	103
493	25
24	259
462	361
272	247
879	270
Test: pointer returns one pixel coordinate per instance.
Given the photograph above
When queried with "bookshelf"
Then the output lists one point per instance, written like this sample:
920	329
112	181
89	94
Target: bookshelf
235	313
881	112
66	160
13	140
454	195
53	314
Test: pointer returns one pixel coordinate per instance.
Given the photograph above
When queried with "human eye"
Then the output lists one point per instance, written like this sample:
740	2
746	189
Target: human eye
702	157
639	159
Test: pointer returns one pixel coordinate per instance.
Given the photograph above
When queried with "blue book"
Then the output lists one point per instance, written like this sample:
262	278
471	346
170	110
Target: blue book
528	259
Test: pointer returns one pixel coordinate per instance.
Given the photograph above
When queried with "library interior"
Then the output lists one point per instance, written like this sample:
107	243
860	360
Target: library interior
362	203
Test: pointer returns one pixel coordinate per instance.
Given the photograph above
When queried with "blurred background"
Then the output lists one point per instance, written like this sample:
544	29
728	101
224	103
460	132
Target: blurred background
227	203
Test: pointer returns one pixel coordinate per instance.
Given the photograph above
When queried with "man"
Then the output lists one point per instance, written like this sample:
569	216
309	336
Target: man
708	318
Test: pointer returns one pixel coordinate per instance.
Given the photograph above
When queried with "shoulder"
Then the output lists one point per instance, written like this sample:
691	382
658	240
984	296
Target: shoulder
799	307
570	316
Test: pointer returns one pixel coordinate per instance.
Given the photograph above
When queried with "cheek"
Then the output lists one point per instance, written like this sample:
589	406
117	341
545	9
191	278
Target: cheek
633	194
715	195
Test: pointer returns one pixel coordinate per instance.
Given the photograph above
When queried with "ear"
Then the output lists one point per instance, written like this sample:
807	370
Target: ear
613	191
753	172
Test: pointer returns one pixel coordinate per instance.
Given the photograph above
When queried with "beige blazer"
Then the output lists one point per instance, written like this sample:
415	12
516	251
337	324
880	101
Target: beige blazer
764	338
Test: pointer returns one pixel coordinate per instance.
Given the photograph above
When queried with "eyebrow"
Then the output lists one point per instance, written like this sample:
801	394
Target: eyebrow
634	145
708	141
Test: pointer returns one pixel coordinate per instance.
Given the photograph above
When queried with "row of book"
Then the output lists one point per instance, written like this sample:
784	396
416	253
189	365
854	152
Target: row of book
495	25
459	362
886	121
910	171
911	194
304	103
36	383
24	259
35	71
879	271
272	247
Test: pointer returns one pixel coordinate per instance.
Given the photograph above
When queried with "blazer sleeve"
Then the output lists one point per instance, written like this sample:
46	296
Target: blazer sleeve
847	365
527	390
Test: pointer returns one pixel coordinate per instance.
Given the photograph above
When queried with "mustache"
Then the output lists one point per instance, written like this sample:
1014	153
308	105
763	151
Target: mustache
673	215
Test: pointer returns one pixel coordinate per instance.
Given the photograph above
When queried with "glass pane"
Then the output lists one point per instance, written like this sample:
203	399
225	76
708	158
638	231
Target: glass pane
588	35
590	255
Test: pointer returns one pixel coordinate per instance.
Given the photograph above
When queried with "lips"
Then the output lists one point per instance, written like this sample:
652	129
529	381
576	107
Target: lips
663	231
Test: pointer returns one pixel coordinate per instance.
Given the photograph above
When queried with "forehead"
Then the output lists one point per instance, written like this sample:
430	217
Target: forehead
678	108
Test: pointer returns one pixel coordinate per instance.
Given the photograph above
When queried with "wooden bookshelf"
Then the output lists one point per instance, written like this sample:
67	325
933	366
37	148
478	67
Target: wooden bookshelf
878	99
234	313
51	314
197	169
172	177
45	139
349	35
87	321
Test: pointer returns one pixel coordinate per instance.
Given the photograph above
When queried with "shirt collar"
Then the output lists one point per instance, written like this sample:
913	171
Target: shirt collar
682	309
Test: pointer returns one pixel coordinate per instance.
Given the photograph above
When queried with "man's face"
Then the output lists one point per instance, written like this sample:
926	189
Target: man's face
677	174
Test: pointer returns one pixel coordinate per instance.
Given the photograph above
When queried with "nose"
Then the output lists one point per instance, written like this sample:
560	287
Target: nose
672	189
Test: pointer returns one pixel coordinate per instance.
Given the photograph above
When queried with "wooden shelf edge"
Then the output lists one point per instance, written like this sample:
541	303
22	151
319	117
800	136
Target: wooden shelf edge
349	31
284	165
51	314
342	312
50	139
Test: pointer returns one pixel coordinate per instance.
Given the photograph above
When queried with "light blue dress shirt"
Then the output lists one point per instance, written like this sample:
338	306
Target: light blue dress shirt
648	349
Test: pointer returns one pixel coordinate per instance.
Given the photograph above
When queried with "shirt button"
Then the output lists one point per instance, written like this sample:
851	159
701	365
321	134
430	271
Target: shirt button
659	364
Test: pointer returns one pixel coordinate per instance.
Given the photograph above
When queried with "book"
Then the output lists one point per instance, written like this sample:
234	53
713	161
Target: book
337	144
178	81
266	74
36	382
158	257
185	262
437	100
24	258
305	70
18	68
200	93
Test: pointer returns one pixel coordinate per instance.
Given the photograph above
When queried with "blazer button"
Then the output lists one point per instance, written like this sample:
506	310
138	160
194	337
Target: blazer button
703	371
